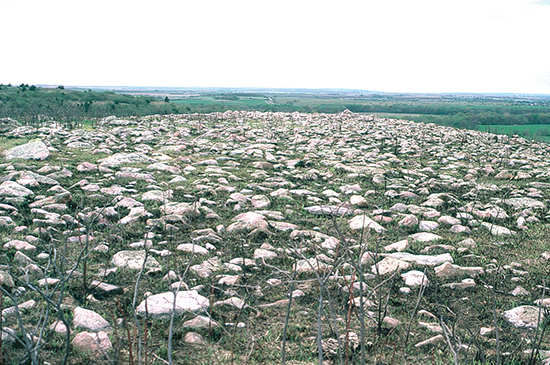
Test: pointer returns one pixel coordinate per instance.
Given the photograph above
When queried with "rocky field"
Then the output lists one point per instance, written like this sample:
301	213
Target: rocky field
261	238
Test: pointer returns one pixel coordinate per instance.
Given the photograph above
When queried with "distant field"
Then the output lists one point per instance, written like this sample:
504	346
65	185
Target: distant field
540	132
525	115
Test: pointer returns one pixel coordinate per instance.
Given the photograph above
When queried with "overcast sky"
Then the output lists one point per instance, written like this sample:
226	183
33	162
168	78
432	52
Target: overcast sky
384	45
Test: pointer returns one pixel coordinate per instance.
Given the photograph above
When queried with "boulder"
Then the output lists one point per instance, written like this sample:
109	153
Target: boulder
94	344
161	305
33	150
134	260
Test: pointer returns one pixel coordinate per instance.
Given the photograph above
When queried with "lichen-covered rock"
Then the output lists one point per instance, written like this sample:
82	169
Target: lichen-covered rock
13	189
95	344
89	320
161	305
134	260
524	316
33	150
362	222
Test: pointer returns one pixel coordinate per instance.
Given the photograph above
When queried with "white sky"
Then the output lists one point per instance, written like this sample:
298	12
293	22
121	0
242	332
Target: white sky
383	45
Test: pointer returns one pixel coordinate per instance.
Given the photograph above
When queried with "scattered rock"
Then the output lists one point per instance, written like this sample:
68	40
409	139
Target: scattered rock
89	320
161	305
524	316
134	260
95	344
33	150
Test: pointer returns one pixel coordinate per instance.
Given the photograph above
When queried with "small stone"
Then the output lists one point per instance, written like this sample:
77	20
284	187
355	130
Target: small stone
89	320
460	229
311	265
408	221
425	237
428	226
405	291
432	341
358	201
464	284
134	260
200	322
448	270
397	246
261	253
524	316
192	248
194	338
429	260
497	230
445	219
161	305
13	189
415	278
362	222
260	201
389	265
95	344
58	327
20	245
519	291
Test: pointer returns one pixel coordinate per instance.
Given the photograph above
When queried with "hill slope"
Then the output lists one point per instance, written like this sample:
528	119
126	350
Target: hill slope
414	240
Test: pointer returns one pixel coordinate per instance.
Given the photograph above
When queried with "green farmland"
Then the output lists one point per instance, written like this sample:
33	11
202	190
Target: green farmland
539	132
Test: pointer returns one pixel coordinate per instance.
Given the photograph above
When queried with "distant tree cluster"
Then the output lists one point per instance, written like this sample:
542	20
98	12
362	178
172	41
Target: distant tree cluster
71	105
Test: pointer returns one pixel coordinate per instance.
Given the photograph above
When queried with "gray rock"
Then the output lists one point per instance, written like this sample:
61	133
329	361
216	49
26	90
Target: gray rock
432	341
94	344
408	221
497	230
135	214
248	222
415	278
189	247
428	226
134	260
6	279
261	253
89	320
425	237
464	284
430	260
362	222
448	270
126	158
389	265
11	188
524	316
195	339
161	305
311	265
260	201
200	322
41	179
524	203
20	245
33	150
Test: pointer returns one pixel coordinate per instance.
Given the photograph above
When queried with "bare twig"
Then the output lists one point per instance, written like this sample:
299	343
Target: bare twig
444	327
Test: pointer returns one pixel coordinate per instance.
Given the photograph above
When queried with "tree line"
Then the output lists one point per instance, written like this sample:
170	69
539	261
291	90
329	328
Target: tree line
33	104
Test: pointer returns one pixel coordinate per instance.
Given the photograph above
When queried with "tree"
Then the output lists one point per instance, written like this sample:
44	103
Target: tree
166	100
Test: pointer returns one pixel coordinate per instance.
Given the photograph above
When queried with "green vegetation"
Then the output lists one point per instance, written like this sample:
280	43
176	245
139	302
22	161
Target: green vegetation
528	116
467	112
532	131
32	104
